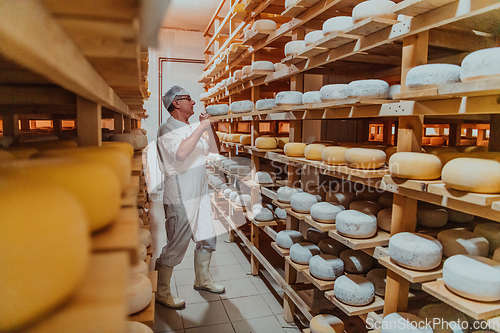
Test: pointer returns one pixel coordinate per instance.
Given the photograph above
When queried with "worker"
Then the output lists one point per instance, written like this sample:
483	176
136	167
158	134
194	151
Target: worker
182	148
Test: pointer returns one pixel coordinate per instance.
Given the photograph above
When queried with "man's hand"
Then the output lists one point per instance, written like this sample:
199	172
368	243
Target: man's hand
205	121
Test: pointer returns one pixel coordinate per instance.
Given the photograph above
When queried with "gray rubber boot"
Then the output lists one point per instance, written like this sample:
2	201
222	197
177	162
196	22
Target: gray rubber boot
202	278
163	294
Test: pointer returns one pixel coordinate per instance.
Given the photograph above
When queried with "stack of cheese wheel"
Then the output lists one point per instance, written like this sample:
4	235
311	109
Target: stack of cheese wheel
288	98
311	97
355	224
480	64
264	25
241	106
342	198
325	212
286	238
459	241
354	290
374	9
315	236
302	252
368	88
217	110
415	251
432	75
430	216
294	47
302	202
325	323
356	261
326	267
139	293
263	66
337	24
265	142
294	149
362	158
312	37
246	139
378	276
314	152
331	246
413	165
265	104
401	322
472	175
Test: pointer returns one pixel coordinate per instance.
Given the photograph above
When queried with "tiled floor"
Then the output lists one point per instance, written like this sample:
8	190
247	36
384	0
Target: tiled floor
247	306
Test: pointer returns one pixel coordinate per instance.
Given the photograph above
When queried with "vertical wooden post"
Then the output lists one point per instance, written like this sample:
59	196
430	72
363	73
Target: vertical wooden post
127	127
362	130
56	124
288	304
118	128
254	234
88	122
494	143
10	121
455	134
415	50
25	126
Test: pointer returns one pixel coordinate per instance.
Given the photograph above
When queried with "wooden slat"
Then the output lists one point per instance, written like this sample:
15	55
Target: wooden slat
281	251
320	284
412	275
147	315
335	39
297	267
417	7
369	26
473	198
281	205
375	305
249	216
298	216
319	225
381	238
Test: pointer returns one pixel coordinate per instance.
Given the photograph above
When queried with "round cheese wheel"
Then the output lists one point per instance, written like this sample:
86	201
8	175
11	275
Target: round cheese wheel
457	241
141	267
217	183
315	236
311	97
262	177
414	165
294	47
401	322
265	142
386	200
490	231
265	104
217	110
140	222
368	88
355	224
279	67
312	37
244	171
378	276
431	75
342	198
136	327
238	74
314	152
334	155
282	141
333	92
285	193
393	90
241	106
235	169
366	207
227	163
472	175
145	237
374	8
294	149
263	215
286	238
445	317
302	202
480	64
354	290
227	193
384	219
125	146
233	195
325	323
142	252
356	261
139	293
326	267
289	98
476	278
243	200
246	139
264	25
363	158
280	213
263	66
331	246
415	251
302	252
429	216
325	212
337	23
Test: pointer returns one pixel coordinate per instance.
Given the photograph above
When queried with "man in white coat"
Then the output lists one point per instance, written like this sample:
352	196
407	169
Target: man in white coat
182	148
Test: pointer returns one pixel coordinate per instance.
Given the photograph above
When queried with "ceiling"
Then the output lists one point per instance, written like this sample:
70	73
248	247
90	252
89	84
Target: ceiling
191	14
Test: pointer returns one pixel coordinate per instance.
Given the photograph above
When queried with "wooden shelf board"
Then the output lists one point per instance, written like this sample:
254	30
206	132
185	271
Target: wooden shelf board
369	26
293	11
129	195
335	39
256	36
416	185
474	198
417	7
253	184
281	251
380	251
298	216
280	204
362	173
297	267
269	193
153	277
319	225
375	305
147	315
249	216
276	150
475	309
320	284
496	206
237	208
380	239
312	51
411	275
293	59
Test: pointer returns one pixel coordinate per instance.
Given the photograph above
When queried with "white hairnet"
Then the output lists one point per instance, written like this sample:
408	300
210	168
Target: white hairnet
169	96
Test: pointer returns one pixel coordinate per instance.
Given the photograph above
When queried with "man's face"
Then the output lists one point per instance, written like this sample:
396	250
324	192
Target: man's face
185	104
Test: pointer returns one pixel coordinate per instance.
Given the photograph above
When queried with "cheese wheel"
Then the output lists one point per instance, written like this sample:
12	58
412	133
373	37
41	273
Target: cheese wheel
378	276
243	200
314	152
490	231
217	110
312	37
246	139
356	261
432	75
289	98
362	158
145	237
244	171
139	293
437	141
342	198
332	92
235	138
456	241
315	236
241	106
124	146
264	25
246	70
355	224
354	290
415	251
279	67
302	252
393	90
233	195
140	222
265	142
141	267
368	88
235	169
265	104
476	278
331	246
302	202
311	97
472	175
445	318
217	183
496	255
326	267
374	8
384	219
401	322
429	216
334	155
280	213
142	252
227	193
263	215
136	327
282	141
480	64
386	200
294	47
262	177
325	212
294	149
263	66
366	207
336	24
325	323
44	249
412	165
238	74
286	238
285	193
227	163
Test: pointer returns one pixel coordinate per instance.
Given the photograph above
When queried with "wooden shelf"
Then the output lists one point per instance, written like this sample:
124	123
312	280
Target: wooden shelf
147	315
320	284
335	39
260	224
369	26
297	267
312	51
473	198
129	195
256	36
375	305
298	216
417	7
280	204
411	275
325	227
281	251
487	86
380	239
293	59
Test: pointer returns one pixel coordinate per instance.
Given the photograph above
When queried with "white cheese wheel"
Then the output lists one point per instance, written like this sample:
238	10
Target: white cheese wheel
355	224
429	216
445	317
141	267
302	202
227	163
264	25
354	290
337	23
234	169
265	104
263	66
472	175
393	90
356	261
279	67
366	207
248	33
243	200
262	177
142	252
334	155
227	193
314	152
286	238
374	8
325	323
263	215
238	74
325	212
244	171
326	267
302	252
265	142
233	195
457	241
363	158
224	187
332	92
139	293
368	88
378	276
289	98
431	75
312	37
217	183
294	47
414	165
140	222
246	139
246	70
294	149
280	213
282	141
137	327
285	193
241	106
315	236
218	162
311	97
145	237
342	198
384	219
386	200
331	246
480	64
476	278
490	231
415	251
401	322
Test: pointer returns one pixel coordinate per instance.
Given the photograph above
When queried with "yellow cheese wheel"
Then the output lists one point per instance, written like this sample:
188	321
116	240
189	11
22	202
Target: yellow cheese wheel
44	249
472	175
314	151
363	158
54	144
125	146
447	156
413	165
282	141
264	142
334	155
22	153
5	156
294	149
246	139
325	323
93	183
